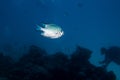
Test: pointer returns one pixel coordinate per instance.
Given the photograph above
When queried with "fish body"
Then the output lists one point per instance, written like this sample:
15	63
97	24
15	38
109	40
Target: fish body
50	30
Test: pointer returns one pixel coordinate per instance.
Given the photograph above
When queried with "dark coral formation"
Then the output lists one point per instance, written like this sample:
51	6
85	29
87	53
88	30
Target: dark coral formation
38	65
112	54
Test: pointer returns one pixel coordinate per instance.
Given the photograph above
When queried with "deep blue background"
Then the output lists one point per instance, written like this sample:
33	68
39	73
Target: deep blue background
89	23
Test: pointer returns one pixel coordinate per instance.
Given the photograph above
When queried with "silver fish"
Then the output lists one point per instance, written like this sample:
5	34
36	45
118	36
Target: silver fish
52	31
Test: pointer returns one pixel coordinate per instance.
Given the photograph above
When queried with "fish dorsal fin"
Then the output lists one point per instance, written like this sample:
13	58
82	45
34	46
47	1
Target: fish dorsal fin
52	24
49	25
46	25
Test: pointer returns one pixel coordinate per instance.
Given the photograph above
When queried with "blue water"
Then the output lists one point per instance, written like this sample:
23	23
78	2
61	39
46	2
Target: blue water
89	23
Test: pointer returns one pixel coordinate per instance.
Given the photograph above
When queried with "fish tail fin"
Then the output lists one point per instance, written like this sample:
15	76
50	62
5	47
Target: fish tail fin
38	27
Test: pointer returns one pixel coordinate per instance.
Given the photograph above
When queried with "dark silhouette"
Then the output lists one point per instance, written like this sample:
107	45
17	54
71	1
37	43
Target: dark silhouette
38	65
111	55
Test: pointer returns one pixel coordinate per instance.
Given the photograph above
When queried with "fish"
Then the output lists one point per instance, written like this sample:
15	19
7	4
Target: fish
51	31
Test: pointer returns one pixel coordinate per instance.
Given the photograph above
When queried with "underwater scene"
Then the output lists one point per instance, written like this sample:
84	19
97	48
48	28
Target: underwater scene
59	39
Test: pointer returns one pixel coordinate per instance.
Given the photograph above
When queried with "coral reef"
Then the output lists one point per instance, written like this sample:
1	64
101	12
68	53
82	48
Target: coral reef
112	54
38	65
